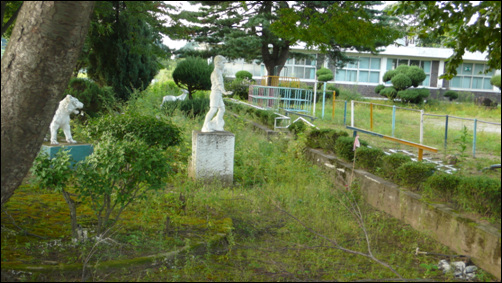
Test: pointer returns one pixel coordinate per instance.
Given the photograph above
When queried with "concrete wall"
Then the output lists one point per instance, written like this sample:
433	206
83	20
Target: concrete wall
466	237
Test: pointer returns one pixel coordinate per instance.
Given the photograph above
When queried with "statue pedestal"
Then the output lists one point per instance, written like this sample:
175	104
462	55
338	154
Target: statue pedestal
212	157
77	151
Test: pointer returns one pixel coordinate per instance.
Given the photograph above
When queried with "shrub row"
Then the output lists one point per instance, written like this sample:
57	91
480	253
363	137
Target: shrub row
266	117
153	131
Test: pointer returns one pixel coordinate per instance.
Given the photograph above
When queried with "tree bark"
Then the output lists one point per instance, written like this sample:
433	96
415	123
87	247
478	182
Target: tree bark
36	67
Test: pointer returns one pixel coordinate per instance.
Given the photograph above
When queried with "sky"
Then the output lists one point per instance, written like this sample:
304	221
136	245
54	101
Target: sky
177	44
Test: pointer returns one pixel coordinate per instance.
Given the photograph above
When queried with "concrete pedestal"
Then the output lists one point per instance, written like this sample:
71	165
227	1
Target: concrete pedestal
77	151
212	157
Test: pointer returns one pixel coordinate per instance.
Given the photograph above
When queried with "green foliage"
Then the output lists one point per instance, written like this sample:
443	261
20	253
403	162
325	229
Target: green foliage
379	88
240	88
414	95
443	185
97	100
495	80
451	94
449	21
297	127
193	73
480	194
344	147
190	108
324	138
122	48
266	117
151	130
369	158
331	88
390	163
389	92
244	75
118	173
401	81
53	173
416	75
324	75
462	141
389	75
413	174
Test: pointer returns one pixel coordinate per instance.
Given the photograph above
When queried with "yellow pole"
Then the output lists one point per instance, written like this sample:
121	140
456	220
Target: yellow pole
420	154
371	116
333	112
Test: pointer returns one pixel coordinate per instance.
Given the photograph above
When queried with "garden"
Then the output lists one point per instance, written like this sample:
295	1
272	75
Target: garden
129	212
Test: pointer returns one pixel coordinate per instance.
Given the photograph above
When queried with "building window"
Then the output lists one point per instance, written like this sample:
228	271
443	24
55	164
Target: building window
471	76
425	65
364	70
299	68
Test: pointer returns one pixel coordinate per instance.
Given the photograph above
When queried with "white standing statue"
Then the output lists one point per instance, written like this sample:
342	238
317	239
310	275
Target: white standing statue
216	99
62	118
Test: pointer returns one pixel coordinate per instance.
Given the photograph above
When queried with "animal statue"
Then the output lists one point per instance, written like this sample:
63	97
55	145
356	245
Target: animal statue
61	119
168	98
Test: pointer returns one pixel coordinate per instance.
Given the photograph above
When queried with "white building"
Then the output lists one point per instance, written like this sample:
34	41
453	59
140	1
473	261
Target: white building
368	71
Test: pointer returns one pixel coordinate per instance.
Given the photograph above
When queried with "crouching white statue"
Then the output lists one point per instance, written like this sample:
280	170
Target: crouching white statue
62	118
215	98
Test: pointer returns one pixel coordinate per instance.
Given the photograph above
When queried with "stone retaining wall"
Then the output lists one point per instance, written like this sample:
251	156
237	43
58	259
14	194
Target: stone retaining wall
466	237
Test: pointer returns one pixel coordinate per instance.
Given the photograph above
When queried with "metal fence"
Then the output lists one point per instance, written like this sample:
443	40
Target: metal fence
282	98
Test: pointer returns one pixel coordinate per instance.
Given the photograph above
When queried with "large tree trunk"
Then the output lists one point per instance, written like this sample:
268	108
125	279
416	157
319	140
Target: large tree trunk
36	67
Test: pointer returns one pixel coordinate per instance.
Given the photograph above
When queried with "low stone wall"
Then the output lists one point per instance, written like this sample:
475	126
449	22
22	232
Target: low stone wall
466	237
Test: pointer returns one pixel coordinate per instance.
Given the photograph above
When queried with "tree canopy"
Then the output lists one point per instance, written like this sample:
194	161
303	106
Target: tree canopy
266	30
464	25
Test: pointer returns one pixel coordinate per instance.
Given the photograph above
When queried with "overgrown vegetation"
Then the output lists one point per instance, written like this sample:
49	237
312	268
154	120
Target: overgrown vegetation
272	184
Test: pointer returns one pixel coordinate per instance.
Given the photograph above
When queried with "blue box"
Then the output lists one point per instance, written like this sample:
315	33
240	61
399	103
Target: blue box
77	151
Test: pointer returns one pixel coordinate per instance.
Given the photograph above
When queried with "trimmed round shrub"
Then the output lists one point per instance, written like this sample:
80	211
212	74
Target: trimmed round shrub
416	75
495	80
390	163
297	127
324	75
389	75
369	158
378	88
414	95
243	75
154	131
389	92
480	194
443	185
412	174
451	94
331	88
344	147
324	138
240	87
192	74
401	81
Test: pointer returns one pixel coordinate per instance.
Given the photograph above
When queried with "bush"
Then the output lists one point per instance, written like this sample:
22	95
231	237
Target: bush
369	158
451	94
297	127
324	75
389	75
193	74
240	87
495	80
443	185
416	75
96	100
413	174
389	92
266	117
480	194
244	75
324	138
153	131
378	88
331	88
344	147
390	163
414	95
401	82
